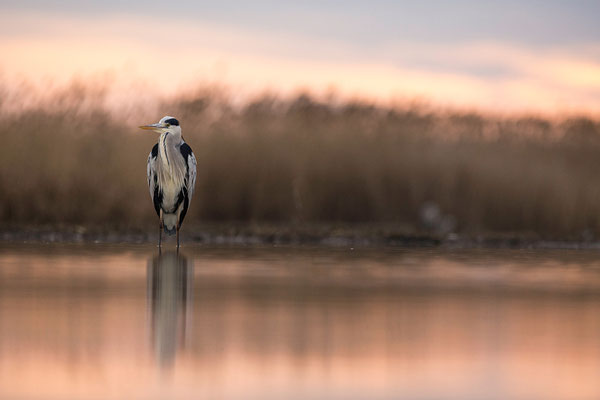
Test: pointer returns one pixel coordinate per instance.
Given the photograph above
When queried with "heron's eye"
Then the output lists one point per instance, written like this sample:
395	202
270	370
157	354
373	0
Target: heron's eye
168	125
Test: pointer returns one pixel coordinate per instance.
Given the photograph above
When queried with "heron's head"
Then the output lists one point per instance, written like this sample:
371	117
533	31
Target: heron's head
166	124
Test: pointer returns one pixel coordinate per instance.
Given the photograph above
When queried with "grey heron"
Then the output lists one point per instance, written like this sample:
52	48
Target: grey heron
171	176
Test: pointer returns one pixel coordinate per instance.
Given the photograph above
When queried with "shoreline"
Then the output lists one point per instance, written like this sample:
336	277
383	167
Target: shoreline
319	236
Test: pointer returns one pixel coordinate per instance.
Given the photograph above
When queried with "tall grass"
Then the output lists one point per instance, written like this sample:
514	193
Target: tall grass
301	160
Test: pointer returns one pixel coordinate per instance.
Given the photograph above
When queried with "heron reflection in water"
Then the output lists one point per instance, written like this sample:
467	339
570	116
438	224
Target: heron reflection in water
169	295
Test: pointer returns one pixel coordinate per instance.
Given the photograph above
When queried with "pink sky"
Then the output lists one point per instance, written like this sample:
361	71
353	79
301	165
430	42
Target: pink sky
146	56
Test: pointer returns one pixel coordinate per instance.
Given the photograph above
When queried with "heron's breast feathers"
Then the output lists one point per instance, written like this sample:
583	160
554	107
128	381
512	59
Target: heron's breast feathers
171	176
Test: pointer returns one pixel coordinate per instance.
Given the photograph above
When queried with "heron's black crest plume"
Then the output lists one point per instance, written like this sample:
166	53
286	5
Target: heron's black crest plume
172	121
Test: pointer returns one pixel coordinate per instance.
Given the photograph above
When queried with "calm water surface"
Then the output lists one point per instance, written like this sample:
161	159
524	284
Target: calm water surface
122	322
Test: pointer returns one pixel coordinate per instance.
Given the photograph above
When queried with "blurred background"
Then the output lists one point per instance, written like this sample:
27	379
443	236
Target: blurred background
330	128
468	118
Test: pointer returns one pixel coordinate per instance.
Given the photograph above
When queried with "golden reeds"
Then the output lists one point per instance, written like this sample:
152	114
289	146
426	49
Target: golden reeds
305	161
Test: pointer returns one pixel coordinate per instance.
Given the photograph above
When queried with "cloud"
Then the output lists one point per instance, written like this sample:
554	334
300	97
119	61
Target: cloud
170	57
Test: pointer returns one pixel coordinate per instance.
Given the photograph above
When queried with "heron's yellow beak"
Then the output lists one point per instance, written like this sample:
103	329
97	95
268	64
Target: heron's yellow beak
152	127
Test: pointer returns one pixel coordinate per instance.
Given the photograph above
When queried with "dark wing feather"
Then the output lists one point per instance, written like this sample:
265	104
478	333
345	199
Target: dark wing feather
190	178
190	181
155	192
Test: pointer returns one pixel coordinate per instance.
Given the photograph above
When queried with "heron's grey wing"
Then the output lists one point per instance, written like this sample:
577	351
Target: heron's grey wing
192	174
152	181
188	155
190	179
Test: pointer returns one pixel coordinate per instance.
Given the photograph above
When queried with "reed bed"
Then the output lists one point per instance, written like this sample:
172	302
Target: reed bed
304	161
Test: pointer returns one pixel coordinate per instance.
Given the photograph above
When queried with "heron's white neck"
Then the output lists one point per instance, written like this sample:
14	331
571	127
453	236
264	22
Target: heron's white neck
171	166
167	147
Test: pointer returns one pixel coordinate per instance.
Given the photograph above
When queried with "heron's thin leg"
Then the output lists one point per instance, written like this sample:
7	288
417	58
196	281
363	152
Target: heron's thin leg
160	229
177	236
